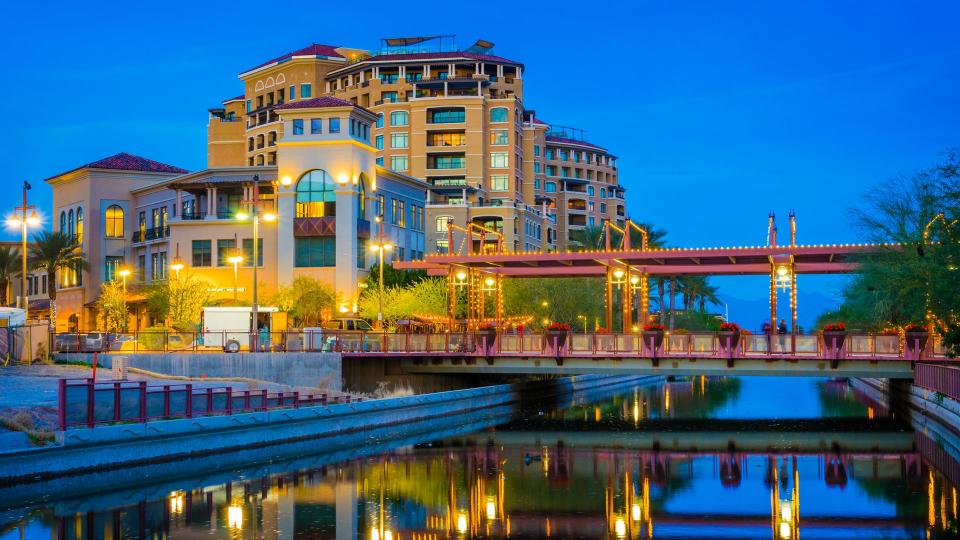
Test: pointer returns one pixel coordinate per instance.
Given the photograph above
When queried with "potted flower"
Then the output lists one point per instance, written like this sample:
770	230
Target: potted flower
653	336
557	336
916	338
487	332
729	336
834	335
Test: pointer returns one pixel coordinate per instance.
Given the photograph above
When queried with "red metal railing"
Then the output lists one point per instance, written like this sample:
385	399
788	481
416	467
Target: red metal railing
862	346
84	402
938	378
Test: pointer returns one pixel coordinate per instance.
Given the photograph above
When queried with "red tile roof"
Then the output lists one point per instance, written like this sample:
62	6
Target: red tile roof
564	140
313	50
127	162
318	102
236	98
440	55
540	122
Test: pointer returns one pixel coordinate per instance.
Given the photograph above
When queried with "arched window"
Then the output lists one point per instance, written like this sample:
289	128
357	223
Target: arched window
79	225
499	114
603	193
399	118
70	223
114	221
63	222
362	190
379	120
315	195
591	191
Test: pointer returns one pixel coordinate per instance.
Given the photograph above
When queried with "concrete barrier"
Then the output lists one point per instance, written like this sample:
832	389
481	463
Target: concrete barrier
312	369
106	447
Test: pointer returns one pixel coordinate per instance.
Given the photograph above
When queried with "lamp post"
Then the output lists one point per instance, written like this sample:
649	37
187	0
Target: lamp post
21	219
123	273
177	264
379	248
255	217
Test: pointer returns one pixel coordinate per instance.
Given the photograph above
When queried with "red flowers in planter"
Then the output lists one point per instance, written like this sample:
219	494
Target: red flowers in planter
838	327
558	327
889	332
913	327
653	327
487	326
729	327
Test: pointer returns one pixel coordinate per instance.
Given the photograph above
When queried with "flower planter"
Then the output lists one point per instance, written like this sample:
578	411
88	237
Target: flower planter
729	341
834	340
487	338
916	342
654	338
556	340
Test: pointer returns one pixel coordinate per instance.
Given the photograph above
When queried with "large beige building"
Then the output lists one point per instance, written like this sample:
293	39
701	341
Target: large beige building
454	118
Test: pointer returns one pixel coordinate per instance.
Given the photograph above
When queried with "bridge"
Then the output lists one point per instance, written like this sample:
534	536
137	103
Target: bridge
695	353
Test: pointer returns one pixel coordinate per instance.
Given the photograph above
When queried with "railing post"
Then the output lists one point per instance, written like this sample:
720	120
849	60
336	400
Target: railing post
263	396
209	400
117	416
166	401
143	401
189	405
229	400
296	400
62	404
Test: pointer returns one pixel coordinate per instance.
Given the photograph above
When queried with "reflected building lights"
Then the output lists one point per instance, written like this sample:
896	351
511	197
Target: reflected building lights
235	517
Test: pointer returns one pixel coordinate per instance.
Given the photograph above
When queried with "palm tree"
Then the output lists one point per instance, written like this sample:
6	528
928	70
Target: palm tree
9	268
53	251
709	296
587	237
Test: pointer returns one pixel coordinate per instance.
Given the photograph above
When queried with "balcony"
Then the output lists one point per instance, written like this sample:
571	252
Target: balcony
325	226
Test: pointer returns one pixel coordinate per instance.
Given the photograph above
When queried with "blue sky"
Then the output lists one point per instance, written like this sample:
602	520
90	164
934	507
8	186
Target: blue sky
720	111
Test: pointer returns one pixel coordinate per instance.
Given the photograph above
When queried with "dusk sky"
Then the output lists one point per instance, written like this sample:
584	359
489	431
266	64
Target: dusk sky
719	112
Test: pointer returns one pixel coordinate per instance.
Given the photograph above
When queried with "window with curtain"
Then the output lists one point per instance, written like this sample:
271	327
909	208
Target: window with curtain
113	218
315	195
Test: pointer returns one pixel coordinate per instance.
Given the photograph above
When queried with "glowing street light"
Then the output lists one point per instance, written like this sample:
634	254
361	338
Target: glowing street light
255	218
123	273
20	219
235	260
379	248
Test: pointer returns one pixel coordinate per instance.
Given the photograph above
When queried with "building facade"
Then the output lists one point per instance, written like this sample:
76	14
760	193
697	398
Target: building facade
455	119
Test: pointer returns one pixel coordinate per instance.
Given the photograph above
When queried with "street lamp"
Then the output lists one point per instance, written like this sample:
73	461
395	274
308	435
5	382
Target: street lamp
123	273
177	264
255	218
235	260
20	218
379	248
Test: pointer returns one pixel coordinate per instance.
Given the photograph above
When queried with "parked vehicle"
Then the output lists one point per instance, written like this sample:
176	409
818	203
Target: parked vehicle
228	328
350	333
81	342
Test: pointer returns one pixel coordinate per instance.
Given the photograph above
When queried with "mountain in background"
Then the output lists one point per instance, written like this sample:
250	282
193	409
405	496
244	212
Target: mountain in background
750	313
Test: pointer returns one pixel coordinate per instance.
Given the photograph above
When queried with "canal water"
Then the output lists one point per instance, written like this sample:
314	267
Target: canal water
698	458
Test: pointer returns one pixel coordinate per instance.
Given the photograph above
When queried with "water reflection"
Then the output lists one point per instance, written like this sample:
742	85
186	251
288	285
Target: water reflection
684	460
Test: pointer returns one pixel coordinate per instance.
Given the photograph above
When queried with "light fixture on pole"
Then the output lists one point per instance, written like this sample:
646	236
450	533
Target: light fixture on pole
254	217
123	273
23	217
379	248
177	264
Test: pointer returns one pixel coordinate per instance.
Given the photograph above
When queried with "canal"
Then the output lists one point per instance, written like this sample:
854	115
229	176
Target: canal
696	458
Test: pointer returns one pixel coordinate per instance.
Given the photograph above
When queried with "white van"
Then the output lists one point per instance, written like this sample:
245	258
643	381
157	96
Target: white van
228	328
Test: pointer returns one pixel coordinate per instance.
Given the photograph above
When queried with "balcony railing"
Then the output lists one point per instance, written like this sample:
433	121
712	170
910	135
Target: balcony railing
152	233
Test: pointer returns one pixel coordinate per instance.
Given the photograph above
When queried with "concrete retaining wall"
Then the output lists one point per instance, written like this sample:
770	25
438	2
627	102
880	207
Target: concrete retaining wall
121	445
313	369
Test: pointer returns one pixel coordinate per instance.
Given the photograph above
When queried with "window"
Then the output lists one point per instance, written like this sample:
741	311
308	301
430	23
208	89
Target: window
315	195
399	140
603	208
446	162
389	78
114	221
499	136
226	248
498	159
417	214
111	267
316	126
363	246
334	125
551	187
446	116
293	92
381	205
446	139
298	126
248	251
202	253
603	193
498	182
442	246
315	252
536	167
79	225
399	163
499	114
591	191
379	142
536	150
380	161
389	97
443	223
306	90
399	118
536	184
63	222
399	217
379	120
550	154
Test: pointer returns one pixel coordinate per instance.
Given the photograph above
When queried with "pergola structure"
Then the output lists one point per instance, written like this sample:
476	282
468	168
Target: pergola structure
626	268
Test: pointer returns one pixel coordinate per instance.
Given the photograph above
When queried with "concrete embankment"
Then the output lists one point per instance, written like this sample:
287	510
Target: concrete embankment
311	369
277	431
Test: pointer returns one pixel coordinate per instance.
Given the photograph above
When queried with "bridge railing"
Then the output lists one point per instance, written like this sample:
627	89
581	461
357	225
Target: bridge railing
938	378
